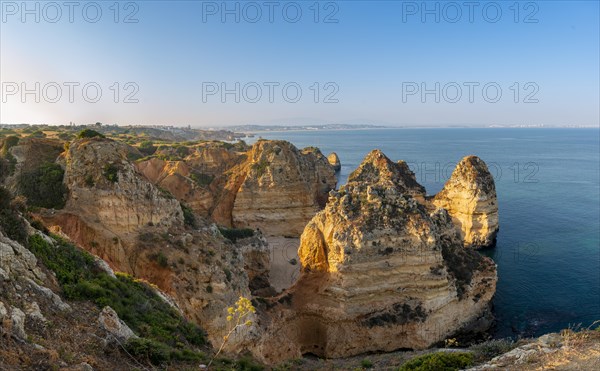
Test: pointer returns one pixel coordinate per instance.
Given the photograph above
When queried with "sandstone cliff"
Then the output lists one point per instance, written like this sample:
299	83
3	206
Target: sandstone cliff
283	188
117	214
470	198
271	186
383	269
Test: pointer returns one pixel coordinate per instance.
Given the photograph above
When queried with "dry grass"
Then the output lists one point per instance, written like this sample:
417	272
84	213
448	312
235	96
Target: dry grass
580	350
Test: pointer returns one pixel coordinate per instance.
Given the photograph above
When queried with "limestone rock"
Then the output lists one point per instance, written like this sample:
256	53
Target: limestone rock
110	321
524	356
56	301
470	198
33	312
125	203
334	161
3	312
272	185
282	189
383	269
17	261
17	318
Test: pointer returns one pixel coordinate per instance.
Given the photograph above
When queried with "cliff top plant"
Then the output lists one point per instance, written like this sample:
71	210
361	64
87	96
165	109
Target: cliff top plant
89	133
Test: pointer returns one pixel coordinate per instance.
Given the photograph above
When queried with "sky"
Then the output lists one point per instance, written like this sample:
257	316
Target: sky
217	63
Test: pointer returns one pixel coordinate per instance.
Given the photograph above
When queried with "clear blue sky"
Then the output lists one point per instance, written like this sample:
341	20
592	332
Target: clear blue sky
376	51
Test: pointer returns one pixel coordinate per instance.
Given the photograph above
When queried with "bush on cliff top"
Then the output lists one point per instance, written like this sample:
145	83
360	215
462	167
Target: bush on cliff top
89	133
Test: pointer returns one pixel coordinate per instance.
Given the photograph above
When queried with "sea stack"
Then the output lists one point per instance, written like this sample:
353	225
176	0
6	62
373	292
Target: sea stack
470	198
334	161
382	269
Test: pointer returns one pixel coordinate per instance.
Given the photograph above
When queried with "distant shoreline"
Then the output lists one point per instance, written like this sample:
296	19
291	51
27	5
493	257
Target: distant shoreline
301	130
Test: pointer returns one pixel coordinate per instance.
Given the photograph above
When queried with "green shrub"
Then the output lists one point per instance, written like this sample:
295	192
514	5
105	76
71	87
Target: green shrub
260	167
188	216
147	148
89	133
38	134
233	234
111	172
7	161
160	258
365	363
8	143
10	221
201	179
65	136
135	302
43	187
487	350
149	350
182	151
440	361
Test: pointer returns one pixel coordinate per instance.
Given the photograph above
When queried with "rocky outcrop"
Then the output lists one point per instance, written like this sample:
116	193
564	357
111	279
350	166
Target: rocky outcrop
334	161
120	216
470	198
383	269
109	320
271	186
283	188
105	188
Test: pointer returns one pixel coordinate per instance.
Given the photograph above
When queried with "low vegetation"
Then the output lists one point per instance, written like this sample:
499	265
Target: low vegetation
234	234
7	160
201	179
164	335
188	216
111	172
89	133
43	187
10	221
440	361
487	350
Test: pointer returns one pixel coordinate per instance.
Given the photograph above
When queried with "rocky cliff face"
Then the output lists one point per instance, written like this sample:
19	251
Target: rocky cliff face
105	188
117	214
283	188
272	185
383	269
38	329
470	198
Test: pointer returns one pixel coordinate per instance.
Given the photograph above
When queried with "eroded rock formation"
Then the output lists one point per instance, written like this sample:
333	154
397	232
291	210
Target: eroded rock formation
383	269
334	161
117	214
272	185
470	198
283	188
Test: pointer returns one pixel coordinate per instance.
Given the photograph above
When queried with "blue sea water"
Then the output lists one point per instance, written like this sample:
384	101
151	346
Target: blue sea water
548	186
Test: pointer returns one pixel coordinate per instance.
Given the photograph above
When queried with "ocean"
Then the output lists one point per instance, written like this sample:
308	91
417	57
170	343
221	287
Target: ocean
548	187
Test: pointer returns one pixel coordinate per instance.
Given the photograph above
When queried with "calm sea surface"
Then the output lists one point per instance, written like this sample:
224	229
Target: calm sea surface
548	185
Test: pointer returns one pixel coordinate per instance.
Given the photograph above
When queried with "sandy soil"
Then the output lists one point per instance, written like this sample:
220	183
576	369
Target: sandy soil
285	265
